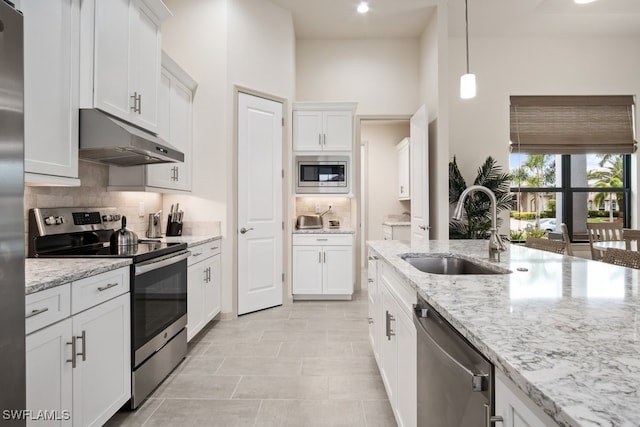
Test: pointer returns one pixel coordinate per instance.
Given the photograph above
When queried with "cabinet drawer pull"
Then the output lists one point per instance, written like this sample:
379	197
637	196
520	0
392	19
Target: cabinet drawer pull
321	240
213	248
73	352
36	312
107	286
83	353
195	254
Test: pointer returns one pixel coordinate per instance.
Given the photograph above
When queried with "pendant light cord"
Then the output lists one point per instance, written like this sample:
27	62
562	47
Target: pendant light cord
466	30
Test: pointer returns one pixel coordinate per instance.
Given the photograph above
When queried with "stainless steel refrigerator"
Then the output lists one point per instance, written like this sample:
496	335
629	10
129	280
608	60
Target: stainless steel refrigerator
12	286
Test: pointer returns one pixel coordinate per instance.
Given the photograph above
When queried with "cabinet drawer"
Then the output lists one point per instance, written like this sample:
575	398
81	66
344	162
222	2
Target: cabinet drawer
212	248
404	293
47	307
91	291
322	239
197	254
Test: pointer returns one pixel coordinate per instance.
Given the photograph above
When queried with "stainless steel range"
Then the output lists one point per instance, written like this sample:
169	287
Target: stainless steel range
158	281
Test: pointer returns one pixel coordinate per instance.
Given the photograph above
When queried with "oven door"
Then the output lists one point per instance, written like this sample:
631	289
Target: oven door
158	303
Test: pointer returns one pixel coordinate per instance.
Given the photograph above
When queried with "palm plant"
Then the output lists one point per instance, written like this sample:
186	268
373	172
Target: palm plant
477	207
609	177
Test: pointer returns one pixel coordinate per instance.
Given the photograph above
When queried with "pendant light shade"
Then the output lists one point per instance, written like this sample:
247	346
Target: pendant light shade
468	86
468	80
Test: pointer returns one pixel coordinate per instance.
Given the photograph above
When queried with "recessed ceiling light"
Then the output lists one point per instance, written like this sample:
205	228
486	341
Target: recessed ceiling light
583	1
363	7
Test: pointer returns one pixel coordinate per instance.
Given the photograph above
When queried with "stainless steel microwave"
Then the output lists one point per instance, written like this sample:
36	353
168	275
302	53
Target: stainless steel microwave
322	174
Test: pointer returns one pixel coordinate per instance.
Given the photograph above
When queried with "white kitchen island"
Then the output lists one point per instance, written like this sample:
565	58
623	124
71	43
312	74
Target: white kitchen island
565	331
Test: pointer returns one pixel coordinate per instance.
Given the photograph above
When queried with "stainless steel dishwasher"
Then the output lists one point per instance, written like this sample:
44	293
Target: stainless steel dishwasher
455	382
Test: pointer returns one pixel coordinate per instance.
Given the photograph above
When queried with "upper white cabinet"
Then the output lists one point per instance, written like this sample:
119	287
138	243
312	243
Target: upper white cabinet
175	99
322	127
51	67
404	170
120	58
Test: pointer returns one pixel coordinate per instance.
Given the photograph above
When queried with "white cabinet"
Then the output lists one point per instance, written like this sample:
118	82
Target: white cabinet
374	300
396	232
78	359
203	286
120	58
321	127
404	170
51	67
397	344
516	409
322	266
175	126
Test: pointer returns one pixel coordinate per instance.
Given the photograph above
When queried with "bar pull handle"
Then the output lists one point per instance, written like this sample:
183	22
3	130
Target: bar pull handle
83	353
108	286
73	352
36	312
491	419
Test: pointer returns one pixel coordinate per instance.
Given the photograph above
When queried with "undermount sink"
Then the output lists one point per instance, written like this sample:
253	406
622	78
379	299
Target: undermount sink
449	264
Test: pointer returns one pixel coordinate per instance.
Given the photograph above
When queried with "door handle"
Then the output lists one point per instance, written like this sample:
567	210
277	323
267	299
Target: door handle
244	230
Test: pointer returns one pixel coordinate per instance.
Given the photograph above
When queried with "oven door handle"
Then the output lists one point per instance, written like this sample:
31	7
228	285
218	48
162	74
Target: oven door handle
148	266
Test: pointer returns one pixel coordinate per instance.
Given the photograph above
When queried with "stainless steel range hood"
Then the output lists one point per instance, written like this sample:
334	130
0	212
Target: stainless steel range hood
106	139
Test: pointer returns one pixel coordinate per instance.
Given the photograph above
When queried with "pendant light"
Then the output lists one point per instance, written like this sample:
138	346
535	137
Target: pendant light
468	80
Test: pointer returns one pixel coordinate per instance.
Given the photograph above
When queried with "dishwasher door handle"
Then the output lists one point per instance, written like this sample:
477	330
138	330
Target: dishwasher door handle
478	381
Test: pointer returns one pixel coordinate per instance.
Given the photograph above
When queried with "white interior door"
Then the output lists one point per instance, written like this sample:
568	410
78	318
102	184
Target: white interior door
419	149
259	203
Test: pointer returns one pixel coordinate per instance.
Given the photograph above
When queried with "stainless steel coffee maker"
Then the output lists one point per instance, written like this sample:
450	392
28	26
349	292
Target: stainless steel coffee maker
154	228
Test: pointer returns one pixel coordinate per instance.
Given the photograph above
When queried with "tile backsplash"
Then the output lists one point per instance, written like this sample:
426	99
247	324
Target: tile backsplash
93	193
341	208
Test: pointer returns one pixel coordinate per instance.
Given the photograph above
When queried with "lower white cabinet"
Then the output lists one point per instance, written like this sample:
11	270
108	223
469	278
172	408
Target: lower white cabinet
397	344
322	266
78	366
203	286
515	408
396	232
374	300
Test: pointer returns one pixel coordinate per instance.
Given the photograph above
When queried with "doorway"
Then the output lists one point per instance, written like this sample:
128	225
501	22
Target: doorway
379	186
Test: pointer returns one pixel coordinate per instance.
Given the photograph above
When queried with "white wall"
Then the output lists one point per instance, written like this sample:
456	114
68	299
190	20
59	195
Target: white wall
223	43
479	127
434	94
381	75
382	174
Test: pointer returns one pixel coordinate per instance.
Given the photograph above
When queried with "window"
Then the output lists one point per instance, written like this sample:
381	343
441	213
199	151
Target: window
574	189
570	161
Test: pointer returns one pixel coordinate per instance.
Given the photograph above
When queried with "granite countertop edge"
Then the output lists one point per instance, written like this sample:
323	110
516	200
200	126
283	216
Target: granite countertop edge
47	273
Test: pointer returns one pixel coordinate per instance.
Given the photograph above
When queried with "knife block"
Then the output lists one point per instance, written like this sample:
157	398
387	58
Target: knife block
173	228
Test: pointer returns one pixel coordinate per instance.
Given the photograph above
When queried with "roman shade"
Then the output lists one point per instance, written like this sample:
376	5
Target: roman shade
572	124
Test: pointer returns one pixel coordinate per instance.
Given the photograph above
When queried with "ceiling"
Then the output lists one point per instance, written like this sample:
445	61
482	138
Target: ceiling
337	19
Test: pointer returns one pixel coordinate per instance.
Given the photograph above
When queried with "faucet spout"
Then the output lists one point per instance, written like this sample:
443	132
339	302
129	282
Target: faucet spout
496	245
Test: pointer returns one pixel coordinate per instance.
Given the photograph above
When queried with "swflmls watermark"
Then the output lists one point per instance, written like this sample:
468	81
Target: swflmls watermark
36	415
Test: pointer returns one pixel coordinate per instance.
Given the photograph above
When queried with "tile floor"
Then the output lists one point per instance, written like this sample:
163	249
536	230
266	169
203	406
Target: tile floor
305	364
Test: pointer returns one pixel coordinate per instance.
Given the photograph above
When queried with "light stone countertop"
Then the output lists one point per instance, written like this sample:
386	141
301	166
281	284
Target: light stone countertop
567	331
341	230
191	240
396	223
45	273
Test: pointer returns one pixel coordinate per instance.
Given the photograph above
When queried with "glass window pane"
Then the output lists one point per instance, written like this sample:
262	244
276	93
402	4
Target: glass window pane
597	170
535	211
534	170
601	206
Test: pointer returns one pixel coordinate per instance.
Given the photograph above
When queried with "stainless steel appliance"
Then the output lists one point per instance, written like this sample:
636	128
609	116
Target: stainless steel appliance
322	174
154	228
12	342
158	282
107	139
455	384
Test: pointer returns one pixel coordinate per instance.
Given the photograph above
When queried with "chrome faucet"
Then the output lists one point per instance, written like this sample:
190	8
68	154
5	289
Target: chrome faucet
496	245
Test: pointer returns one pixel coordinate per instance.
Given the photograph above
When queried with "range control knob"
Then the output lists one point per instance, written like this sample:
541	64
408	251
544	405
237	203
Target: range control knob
59	220
50	220
116	218
106	218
